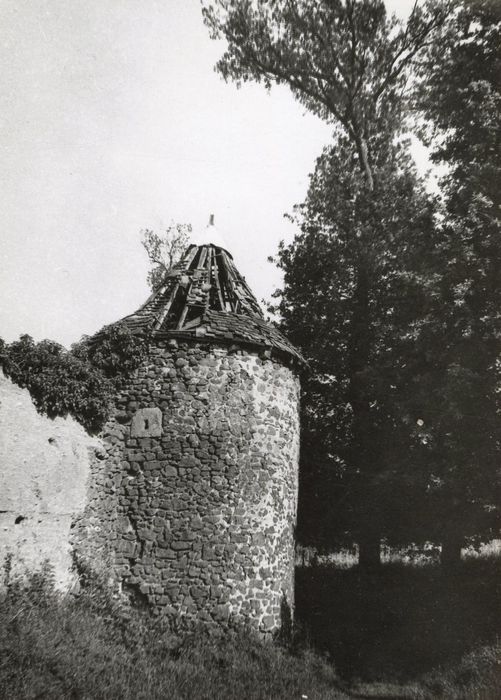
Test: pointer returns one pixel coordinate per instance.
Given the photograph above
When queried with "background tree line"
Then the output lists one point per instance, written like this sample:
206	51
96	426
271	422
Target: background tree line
392	293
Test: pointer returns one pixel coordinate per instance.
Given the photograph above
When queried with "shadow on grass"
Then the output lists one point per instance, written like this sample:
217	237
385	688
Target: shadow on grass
400	621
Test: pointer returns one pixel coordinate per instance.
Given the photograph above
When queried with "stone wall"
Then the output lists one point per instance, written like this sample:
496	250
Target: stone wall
187	503
44	470
201	476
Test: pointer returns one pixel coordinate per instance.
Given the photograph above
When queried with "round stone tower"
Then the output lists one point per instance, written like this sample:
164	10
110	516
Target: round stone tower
208	435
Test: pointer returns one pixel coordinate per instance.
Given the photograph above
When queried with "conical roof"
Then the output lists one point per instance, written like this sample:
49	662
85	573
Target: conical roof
205	297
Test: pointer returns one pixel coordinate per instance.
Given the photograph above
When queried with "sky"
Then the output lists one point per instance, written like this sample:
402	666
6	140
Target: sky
112	120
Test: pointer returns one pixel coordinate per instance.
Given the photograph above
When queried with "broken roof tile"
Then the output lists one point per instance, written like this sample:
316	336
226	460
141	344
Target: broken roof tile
204	296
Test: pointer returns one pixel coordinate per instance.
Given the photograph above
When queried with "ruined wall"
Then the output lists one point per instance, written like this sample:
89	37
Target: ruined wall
206	487
187	503
44	470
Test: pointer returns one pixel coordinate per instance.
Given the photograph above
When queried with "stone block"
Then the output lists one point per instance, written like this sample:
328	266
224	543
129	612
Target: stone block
221	613
180	545
268	622
147	422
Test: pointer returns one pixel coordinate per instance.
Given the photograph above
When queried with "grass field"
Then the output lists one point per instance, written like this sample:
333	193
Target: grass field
401	632
401	621
56	647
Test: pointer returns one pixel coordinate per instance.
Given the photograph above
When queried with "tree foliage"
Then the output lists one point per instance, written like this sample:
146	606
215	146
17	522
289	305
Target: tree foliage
347	62
164	251
459	95
344	60
352	474
114	351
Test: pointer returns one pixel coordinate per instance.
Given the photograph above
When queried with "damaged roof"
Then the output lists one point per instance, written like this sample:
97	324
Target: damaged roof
204	297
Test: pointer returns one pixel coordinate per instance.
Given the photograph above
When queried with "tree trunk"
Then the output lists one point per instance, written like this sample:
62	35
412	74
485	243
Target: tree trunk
451	550
369	551
362	455
363	154
364	157
359	350
363	458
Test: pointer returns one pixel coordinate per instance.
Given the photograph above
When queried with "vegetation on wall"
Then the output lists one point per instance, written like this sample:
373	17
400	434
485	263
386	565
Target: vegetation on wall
79	382
164	250
115	351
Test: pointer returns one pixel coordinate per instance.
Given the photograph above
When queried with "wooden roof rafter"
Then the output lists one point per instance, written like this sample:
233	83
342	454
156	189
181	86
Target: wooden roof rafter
205	297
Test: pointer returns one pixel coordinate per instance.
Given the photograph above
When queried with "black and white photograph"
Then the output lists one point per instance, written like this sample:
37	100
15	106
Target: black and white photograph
250	349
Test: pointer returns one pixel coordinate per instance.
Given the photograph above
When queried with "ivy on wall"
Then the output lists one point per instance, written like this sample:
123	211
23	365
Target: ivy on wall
81	381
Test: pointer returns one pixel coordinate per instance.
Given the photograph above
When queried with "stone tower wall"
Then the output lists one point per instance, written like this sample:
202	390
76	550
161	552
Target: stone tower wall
206	489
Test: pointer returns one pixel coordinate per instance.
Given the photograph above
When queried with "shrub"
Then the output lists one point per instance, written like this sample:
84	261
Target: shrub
114	350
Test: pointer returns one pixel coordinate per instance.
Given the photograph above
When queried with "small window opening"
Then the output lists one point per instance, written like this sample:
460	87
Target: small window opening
146	423
19	519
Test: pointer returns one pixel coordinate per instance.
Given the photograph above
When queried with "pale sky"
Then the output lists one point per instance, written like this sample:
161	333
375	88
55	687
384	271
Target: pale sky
112	120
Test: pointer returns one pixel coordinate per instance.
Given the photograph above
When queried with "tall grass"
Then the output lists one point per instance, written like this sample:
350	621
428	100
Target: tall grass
397	633
476	677
89	647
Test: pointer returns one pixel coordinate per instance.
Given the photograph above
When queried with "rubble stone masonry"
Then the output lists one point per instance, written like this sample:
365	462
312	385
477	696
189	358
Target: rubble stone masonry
193	506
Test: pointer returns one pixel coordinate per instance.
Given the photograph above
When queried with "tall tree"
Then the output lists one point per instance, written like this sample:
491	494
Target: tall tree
353	477
347	62
459	96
